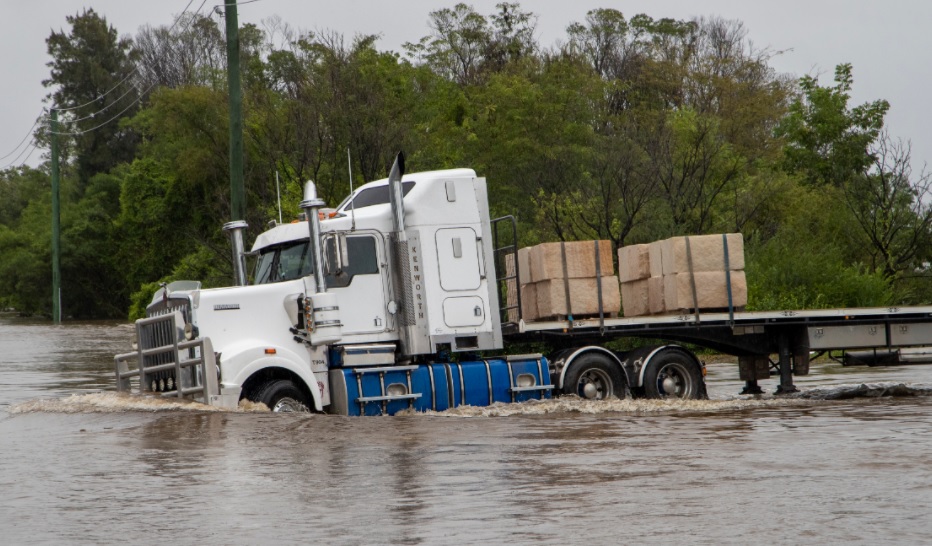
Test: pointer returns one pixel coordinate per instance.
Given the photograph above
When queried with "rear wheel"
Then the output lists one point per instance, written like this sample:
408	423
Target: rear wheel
594	377
282	396
673	374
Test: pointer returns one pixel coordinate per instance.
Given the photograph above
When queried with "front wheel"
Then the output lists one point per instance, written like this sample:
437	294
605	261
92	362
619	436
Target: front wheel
594	377
673	374
282	396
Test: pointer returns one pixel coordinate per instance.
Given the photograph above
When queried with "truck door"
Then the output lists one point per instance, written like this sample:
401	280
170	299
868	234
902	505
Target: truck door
360	286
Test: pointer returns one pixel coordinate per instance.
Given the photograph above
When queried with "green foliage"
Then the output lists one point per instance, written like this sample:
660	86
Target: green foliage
633	130
89	265
25	267
892	208
816	278
89	71
531	135
826	141
17	188
198	265
808	263
140	299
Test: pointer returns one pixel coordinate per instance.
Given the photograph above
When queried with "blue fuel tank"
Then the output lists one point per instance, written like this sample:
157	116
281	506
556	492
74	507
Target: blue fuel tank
386	390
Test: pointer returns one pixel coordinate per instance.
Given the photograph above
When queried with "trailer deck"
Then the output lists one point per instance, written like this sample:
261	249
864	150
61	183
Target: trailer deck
753	336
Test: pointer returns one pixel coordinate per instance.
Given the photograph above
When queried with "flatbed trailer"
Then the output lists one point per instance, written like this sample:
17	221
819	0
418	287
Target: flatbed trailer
793	335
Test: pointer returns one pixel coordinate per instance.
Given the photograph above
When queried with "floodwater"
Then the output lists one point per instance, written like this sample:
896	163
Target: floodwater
80	464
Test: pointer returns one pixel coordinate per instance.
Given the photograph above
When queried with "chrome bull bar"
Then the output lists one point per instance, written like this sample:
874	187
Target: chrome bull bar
167	364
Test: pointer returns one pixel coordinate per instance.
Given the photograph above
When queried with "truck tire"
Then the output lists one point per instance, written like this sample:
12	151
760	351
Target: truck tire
594	377
282	396
673	374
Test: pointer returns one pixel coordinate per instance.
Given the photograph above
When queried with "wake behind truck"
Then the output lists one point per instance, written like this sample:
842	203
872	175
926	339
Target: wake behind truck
394	302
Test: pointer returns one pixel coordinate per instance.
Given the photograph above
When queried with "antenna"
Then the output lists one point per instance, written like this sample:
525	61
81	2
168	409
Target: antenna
349	164
278	192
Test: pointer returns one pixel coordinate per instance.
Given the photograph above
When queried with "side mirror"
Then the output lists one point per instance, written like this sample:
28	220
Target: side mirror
292	308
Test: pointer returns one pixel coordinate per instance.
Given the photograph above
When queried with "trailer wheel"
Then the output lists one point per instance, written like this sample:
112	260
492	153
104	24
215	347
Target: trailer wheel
672	374
594	377
282	396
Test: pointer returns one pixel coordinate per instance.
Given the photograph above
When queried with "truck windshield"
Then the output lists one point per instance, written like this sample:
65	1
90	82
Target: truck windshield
372	196
283	262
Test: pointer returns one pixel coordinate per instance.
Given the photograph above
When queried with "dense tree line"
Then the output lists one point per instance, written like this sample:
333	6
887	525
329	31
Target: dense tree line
629	129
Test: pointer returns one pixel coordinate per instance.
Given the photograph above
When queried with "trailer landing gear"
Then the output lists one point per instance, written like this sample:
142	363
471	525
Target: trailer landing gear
751	387
786	368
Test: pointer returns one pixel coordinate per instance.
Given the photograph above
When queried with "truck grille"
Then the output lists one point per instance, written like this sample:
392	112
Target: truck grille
160	334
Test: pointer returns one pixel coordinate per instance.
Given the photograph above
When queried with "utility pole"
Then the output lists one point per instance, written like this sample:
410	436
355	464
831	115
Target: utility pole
238	199
56	221
237	225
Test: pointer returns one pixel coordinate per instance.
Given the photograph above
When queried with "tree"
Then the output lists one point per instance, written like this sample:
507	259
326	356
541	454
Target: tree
693	166
532	135
17	188
602	41
467	47
893	208
25	275
191	52
512	36
828	143
93	77
92	282
456	45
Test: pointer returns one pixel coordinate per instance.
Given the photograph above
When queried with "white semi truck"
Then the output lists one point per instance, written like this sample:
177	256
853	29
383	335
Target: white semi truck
393	302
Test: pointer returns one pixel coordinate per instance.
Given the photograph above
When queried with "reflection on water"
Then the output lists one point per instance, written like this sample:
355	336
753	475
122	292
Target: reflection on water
82	464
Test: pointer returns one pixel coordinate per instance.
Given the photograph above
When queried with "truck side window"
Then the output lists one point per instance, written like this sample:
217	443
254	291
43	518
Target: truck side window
363	259
372	196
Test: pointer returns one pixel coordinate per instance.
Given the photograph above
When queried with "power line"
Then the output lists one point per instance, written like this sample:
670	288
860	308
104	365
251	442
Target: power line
92	101
34	148
105	108
101	97
28	134
129	75
32	144
123	111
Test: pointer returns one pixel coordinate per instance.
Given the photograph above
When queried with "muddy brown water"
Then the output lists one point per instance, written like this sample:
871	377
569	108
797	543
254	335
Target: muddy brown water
80	464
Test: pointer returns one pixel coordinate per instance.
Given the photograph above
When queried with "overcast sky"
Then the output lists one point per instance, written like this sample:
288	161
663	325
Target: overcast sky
889	43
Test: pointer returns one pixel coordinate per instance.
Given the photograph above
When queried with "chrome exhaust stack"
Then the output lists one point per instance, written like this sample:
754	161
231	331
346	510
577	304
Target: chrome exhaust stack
396	195
236	229
412	323
311	207
322	310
